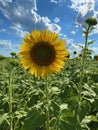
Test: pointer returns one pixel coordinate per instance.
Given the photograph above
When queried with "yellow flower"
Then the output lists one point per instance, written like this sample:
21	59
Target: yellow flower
42	53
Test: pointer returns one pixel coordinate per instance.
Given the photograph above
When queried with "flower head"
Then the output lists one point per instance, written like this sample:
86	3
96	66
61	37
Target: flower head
42	53
91	21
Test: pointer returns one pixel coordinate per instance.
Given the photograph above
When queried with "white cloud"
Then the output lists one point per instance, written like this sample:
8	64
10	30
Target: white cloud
3	30
72	47
73	32
82	6
56	20
5	2
6	46
63	36
57	1
19	30
54	1
85	9
94	50
24	13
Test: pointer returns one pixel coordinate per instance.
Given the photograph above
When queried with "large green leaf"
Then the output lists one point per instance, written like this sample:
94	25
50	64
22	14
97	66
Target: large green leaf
34	120
70	124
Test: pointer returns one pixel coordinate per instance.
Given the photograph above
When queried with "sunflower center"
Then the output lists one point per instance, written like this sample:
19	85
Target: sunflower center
43	54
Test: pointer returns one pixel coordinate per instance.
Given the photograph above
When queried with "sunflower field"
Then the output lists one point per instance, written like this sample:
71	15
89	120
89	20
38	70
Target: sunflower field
58	93
26	95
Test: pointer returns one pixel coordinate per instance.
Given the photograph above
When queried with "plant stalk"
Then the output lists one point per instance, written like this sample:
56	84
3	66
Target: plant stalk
83	69
83	61
47	109
10	100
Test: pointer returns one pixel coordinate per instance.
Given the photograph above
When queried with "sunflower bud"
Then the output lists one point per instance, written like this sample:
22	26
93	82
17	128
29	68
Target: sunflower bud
91	21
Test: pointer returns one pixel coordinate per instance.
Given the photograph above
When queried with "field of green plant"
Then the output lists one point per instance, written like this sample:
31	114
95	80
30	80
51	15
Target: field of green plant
28	103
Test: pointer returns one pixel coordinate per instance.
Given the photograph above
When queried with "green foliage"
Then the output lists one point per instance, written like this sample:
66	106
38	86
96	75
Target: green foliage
3	118
2	57
34	119
65	110
96	57
13	54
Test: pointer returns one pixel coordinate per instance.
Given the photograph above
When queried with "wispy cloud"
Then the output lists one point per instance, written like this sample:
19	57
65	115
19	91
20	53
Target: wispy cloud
18	29
73	46
57	1
54	1
56	20
5	2
24	14
94	50
2	30
82	6
6	46
73	32
85	9
70	44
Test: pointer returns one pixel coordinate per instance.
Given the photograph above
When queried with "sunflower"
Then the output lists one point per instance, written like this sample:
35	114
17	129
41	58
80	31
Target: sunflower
42	53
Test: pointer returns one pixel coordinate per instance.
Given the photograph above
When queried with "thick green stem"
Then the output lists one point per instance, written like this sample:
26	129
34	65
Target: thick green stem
10	101
83	69
47	109
83	60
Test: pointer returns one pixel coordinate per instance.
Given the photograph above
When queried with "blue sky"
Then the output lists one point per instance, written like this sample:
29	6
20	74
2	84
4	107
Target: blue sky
66	17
